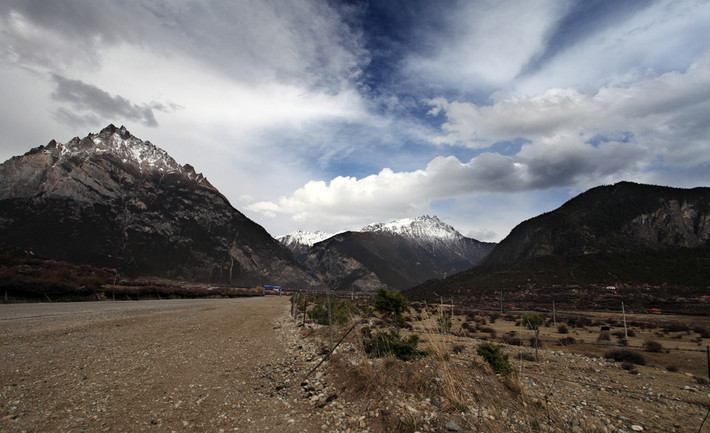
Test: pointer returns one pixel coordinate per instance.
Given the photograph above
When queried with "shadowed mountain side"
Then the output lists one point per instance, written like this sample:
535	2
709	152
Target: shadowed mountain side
364	261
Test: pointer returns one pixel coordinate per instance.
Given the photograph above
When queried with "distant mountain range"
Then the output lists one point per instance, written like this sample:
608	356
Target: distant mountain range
397	254
113	200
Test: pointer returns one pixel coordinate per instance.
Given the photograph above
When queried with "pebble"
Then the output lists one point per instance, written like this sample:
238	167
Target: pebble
452	426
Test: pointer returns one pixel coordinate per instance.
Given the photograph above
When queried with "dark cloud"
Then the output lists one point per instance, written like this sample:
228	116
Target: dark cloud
91	105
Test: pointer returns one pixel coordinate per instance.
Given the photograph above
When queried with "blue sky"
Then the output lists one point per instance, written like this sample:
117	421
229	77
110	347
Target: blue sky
325	115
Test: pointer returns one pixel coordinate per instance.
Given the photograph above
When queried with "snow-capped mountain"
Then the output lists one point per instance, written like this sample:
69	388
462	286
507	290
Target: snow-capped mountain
303	237
422	228
397	254
300	241
113	200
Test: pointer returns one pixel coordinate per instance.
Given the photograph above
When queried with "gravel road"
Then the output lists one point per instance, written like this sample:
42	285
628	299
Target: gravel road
196	365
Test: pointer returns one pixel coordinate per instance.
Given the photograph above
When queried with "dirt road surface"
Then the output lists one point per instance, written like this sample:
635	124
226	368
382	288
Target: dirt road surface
160	366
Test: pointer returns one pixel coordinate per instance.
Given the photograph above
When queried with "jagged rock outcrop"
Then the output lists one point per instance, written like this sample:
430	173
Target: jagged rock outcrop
624	217
113	200
396	255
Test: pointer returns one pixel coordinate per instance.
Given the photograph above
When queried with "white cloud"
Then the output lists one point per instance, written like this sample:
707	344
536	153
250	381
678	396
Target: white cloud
662	36
658	113
485	44
576	141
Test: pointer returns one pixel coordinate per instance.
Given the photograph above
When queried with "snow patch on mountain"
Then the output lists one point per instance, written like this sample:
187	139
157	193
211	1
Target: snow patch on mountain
303	237
423	227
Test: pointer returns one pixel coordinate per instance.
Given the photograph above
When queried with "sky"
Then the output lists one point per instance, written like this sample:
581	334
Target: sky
331	115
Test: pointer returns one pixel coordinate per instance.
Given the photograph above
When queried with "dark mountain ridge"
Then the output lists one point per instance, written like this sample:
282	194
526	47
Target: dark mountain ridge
623	217
623	234
113	200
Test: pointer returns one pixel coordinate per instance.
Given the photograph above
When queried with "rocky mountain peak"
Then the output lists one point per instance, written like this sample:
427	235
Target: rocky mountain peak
422	227
113	200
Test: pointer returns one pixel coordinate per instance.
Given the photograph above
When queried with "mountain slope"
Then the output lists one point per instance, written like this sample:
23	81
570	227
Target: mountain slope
620	234
624	217
397	255
111	199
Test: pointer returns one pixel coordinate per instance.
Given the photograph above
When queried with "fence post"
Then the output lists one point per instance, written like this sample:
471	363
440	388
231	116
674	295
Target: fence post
330	320
626	333
554	314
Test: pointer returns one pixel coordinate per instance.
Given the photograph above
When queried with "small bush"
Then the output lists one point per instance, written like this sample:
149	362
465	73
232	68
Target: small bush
382	343
652	346
672	368
458	348
526	356
620	333
512	340
388	301
620	355
562	329
675	327
626	365
604	336
497	360
566	341
444	324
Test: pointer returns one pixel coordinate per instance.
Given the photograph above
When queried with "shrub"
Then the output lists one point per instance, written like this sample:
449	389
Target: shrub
382	343
675	327
620	355
512	340
488	330
341	313
626	365
532	321
526	356
387	301
458	348
497	360
319	314
703	332
652	346
672	368
604	336
565	341
444	324
562	329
